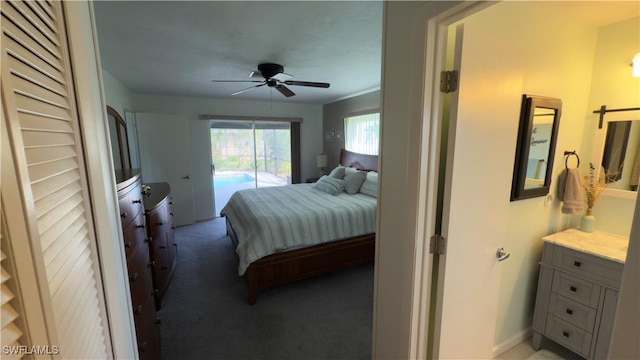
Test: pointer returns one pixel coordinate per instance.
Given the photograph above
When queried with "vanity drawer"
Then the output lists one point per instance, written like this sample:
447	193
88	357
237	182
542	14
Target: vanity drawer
572	312
568	335
589	266
574	288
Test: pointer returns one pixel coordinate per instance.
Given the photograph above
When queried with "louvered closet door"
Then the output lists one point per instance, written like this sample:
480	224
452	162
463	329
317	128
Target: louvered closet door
41	117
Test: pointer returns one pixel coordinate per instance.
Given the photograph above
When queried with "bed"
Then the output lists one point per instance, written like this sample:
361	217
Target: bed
292	241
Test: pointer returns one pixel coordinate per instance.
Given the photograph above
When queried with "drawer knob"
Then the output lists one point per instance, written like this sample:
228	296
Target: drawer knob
176	245
141	226
162	247
573	289
152	264
139	201
171	213
569	311
138	310
577	263
123	215
173	227
128	244
566	334
149	240
133	277
160	223
164	267
142	347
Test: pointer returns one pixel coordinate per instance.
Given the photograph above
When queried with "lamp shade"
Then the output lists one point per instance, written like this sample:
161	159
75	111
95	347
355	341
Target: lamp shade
321	160
636	65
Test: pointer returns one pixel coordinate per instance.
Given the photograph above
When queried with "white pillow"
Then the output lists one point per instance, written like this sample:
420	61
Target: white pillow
370	185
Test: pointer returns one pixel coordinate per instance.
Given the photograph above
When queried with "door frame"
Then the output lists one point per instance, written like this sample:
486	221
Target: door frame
418	335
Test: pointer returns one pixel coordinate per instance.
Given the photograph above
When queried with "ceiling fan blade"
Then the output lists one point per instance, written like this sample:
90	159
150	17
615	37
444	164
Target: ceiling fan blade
254	81
249	88
282	77
255	74
284	90
307	83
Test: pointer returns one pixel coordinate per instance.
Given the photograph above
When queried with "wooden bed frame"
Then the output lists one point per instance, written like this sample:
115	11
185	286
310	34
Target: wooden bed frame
289	266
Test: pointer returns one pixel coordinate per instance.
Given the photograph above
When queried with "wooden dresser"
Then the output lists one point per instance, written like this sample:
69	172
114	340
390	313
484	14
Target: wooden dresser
580	274
161	233
139	265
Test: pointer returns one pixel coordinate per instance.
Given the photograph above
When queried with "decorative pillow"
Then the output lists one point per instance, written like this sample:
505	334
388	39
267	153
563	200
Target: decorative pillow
353	181
356	165
338	172
329	185
370	184
350	170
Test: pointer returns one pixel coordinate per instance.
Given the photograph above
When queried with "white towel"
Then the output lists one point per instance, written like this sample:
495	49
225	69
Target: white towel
572	194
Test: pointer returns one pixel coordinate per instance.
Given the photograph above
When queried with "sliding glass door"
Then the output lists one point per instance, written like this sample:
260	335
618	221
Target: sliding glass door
248	154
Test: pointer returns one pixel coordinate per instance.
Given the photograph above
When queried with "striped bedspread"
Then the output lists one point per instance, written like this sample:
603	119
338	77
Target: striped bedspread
274	219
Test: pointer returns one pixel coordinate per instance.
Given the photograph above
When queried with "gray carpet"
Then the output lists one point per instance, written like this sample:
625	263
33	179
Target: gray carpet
205	314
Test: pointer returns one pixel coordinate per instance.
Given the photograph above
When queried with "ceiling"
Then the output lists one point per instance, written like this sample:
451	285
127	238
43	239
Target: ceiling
178	47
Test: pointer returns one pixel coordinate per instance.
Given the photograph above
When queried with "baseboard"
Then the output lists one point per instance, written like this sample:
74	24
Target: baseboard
516	339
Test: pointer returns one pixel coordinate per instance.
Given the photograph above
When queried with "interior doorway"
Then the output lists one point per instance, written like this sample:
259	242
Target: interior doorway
248	155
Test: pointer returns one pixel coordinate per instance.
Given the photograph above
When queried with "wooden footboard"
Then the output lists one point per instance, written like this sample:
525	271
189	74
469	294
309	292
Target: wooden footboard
286	267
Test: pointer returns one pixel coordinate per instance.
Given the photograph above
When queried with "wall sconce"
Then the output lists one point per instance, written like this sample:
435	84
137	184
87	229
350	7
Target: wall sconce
333	135
636	65
321	161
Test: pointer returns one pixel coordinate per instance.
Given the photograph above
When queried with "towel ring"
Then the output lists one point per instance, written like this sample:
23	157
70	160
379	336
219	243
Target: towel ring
568	154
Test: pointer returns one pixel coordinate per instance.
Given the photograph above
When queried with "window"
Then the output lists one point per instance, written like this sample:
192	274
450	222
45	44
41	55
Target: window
362	133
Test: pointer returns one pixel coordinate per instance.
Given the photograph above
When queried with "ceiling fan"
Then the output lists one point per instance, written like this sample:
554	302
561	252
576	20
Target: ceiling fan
274	76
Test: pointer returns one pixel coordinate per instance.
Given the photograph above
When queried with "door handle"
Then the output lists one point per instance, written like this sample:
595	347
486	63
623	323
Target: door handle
502	255
186	177
213	169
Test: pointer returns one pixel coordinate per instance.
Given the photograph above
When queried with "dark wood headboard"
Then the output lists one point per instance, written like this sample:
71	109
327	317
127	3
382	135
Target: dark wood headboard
359	161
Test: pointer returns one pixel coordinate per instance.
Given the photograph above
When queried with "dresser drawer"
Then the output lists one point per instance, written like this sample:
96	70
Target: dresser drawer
140	279
588	266
568	335
130	202
134	236
572	312
577	289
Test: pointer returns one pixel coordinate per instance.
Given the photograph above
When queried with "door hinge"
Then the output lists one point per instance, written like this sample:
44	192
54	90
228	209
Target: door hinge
437	245
449	81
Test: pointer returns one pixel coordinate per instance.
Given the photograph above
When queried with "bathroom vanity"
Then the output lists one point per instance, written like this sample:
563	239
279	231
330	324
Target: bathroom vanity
580	275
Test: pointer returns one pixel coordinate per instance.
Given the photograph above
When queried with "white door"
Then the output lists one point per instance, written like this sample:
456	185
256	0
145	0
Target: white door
165	157
483	123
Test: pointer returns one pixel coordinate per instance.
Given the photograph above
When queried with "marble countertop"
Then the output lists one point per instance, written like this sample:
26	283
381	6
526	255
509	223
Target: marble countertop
598	243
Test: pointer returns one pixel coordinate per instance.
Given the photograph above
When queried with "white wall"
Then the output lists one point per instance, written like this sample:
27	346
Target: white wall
116	94
559	58
334	114
193	107
557	55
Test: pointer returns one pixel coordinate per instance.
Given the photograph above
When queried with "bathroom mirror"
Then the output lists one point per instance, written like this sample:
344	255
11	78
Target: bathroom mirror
617	150
119	140
535	150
